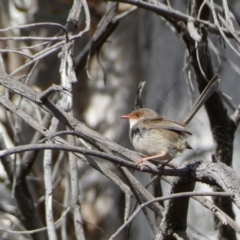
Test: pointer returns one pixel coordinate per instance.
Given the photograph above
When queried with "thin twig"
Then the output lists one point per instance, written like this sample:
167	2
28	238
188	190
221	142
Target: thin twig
175	195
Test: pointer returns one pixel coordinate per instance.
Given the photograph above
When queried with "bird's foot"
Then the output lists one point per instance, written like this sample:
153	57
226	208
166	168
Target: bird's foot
140	163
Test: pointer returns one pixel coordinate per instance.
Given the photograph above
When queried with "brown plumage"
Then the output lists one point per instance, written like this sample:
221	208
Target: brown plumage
157	137
160	138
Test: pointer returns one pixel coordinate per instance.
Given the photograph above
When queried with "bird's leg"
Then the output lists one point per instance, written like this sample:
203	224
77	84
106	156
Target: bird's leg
141	161
164	164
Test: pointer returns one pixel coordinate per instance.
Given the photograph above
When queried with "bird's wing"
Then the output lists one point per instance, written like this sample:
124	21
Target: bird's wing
163	123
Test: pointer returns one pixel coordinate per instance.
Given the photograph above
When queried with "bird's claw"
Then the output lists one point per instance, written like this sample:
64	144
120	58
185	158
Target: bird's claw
140	163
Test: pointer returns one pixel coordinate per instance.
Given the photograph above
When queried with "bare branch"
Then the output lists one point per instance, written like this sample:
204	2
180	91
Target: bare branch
172	196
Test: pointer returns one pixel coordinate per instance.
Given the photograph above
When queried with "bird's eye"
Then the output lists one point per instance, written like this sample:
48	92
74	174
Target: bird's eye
137	115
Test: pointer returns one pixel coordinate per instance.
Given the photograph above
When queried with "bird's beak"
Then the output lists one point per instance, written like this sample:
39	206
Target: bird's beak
125	117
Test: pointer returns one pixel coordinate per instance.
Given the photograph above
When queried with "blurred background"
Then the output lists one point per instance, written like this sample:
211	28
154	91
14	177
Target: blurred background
142	47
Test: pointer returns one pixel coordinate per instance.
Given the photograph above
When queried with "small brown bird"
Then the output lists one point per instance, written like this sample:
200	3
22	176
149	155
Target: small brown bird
160	138
157	137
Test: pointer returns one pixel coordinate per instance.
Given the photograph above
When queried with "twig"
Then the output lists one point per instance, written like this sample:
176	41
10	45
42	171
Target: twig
56	224
48	194
172	196
33	25
164	11
115	159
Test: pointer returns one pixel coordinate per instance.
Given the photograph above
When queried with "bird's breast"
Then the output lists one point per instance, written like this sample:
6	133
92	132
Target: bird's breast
152	141
144	140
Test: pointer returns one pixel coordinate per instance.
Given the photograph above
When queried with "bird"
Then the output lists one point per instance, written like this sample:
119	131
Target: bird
160	138
156	137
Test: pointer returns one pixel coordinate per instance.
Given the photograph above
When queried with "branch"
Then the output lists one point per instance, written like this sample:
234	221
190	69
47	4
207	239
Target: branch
172	196
165	11
223	128
173	223
104	29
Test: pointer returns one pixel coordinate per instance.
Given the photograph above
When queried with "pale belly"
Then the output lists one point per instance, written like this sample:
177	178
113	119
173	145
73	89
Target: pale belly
152	143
